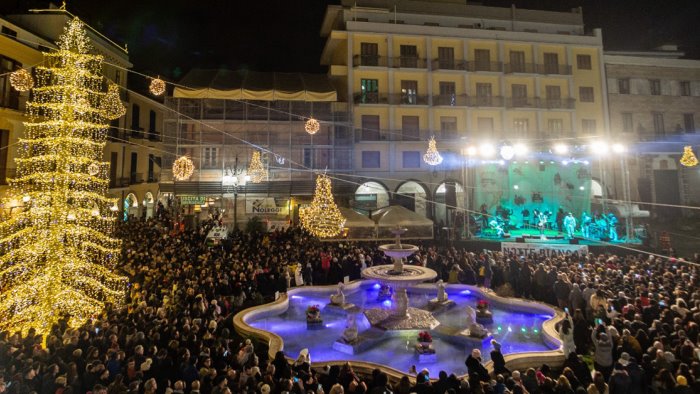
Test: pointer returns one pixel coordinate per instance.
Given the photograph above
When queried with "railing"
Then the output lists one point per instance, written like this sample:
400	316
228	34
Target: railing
409	62
407	99
136	132
449	64
153	136
392	135
452	100
119	182
369	61
560	103
485	101
135	177
527	68
371	98
521	102
484	66
554	69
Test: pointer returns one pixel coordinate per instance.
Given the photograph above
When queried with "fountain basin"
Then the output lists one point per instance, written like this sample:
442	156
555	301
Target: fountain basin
279	325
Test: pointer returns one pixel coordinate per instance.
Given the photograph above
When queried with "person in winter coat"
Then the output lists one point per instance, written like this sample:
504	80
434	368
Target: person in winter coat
619	381
474	365
603	356
566	333
499	363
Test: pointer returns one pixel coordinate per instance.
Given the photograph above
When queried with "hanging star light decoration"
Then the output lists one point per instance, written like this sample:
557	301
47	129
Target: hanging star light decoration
312	126
21	80
432	156
183	168
256	169
56	257
157	87
322	218
93	169
689	159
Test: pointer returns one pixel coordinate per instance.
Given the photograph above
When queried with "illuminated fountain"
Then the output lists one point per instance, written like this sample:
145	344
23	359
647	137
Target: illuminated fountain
399	278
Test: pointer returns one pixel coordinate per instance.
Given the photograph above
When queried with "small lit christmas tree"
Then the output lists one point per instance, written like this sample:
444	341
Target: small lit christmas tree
56	250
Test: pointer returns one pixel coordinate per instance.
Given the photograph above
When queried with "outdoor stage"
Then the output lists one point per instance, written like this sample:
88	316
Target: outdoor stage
533	236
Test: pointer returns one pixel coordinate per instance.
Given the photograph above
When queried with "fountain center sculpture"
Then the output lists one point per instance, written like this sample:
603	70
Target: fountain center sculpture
400	277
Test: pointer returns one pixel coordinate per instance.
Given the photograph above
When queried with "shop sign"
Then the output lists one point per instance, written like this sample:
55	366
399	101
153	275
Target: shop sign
192	200
267	206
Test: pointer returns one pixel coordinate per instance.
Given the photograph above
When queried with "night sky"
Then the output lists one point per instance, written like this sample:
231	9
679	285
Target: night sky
169	38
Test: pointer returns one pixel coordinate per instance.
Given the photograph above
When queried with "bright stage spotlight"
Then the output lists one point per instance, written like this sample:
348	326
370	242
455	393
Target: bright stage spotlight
487	150
507	152
561	149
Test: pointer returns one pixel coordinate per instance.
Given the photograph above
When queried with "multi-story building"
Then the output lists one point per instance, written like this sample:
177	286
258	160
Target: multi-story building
133	151
654	99
463	73
220	117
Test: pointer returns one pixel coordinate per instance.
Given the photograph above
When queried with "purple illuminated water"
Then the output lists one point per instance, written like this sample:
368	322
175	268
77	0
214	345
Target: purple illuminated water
516	331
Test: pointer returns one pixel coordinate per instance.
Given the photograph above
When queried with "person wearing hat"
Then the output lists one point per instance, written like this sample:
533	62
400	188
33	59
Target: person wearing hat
499	363
682	386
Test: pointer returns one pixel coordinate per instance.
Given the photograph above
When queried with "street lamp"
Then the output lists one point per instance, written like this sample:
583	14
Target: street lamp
232	179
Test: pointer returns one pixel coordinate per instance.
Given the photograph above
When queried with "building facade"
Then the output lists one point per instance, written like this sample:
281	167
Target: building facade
465	74
654	101
134	146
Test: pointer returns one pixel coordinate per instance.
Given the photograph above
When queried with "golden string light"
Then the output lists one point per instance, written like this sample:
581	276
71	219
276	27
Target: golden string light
157	87
322	218
183	168
93	169
21	80
312	126
56	255
689	159
432	156
256	169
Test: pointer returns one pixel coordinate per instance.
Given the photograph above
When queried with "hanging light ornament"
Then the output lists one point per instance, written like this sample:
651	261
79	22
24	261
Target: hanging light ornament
21	80
93	169
312	126
279	159
432	156
322	218
157	87
112	104
183	168
689	159
256	169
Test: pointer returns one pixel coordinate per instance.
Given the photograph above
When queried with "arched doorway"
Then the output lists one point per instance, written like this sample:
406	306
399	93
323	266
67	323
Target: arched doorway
412	195
131	206
149	204
449	198
371	195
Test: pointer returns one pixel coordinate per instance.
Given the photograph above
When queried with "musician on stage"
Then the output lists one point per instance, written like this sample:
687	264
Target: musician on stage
542	224
586	225
570	225
612	226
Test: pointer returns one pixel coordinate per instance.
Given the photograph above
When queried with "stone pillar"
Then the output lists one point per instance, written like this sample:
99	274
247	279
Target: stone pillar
401	302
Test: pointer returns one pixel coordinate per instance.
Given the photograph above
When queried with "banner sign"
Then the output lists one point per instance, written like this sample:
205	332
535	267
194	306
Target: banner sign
192	200
523	249
267	206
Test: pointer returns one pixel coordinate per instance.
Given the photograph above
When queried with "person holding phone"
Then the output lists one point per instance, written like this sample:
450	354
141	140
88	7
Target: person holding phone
603	354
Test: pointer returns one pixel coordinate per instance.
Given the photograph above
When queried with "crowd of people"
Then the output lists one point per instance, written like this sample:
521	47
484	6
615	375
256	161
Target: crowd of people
636	317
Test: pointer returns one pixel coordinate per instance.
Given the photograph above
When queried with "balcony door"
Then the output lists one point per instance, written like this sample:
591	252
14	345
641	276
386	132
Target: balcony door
369	54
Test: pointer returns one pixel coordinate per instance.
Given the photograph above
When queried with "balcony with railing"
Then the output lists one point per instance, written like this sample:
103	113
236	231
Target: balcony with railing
371	98
451	100
153	136
485	101
369	135
554	69
560	103
521	102
369	61
409	62
524	68
407	99
6	174
484	66
449	64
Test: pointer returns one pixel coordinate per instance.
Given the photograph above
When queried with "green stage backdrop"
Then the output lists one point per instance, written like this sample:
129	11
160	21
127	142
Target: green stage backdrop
533	186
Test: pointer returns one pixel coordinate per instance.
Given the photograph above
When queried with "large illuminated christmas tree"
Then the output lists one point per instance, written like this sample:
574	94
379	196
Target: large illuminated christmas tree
56	249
